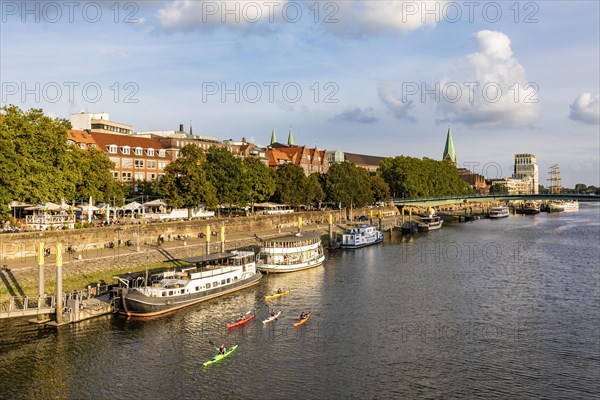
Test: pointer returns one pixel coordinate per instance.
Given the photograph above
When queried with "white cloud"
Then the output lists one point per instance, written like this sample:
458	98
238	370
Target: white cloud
358	18
356	114
489	87
205	15
397	107
586	109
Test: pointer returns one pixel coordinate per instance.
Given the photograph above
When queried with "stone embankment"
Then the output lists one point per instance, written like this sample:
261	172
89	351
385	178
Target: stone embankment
91	259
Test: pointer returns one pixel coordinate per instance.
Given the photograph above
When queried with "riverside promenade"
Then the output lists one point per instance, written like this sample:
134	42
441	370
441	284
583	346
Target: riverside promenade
92	261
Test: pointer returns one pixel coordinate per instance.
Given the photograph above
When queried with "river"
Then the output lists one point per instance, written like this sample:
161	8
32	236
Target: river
500	309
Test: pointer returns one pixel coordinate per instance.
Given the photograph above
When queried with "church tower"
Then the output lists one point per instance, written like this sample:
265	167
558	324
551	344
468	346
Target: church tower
449	154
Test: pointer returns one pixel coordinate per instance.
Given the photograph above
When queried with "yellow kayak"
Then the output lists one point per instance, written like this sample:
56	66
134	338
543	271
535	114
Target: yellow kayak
274	295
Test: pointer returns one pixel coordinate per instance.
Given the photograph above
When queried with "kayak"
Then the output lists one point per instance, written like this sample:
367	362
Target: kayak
275	295
219	357
272	318
302	321
240	323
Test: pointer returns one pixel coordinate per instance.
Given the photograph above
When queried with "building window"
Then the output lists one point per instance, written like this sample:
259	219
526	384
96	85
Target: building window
162	165
161	153
138	151
138	163
150	152
82	146
112	149
116	175
126	176
151	164
116	161
125	149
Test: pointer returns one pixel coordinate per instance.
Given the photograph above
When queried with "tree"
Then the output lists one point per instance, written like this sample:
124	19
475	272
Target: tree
185	183
227	175
380	189
580	188
291	183
349	185
498	188
416	178
260	180
34	155
313	192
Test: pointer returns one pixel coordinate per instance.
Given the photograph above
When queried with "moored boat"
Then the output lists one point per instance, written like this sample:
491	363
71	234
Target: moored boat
571	206
531	207
202	278
219	356
361	236
499	212
430	222
291	253
556	206
410	227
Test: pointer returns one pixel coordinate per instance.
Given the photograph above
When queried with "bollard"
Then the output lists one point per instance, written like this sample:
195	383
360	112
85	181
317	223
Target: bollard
208	233
40	262
222	237
59	292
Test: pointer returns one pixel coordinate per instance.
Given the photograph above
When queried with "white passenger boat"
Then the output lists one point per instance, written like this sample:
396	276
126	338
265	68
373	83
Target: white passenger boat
291	253
203	278
361	236
571	206
430	222
499	212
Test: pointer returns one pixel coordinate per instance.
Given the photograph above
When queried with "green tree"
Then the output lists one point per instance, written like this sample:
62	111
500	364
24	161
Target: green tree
581	188
260	180
416	178
185	183
380	189
349	185
34	154
291	183
498	188
227	175
313	192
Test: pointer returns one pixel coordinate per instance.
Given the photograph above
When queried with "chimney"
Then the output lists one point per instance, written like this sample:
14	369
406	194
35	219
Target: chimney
244	140
180	127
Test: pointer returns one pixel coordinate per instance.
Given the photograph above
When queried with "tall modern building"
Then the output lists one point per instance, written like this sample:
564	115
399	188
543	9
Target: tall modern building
526	169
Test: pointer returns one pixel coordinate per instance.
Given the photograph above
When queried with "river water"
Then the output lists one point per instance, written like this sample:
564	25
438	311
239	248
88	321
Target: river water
488	309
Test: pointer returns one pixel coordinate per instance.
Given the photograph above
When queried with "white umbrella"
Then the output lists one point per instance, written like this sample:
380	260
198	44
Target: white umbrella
132	206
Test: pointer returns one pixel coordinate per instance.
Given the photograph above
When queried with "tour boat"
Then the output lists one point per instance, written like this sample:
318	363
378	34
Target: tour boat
203	278
571	206
531	207
430	222
499	212
556	206
291	253
361	236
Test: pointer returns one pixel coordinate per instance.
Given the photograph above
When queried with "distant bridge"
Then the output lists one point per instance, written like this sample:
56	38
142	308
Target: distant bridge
438	201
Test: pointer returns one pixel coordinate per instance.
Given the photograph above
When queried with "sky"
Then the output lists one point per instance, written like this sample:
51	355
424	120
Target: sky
382	78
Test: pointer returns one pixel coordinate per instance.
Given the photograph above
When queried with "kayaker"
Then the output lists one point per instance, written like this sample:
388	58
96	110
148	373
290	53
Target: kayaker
272	313
303	315
241	317
222	349
279	291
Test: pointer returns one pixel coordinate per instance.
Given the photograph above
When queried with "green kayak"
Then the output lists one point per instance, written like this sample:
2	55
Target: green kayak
219	357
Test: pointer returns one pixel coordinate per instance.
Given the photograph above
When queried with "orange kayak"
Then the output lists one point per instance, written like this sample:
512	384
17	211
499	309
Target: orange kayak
302	321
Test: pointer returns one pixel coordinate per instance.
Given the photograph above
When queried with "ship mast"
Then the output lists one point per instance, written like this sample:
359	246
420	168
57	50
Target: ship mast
555	183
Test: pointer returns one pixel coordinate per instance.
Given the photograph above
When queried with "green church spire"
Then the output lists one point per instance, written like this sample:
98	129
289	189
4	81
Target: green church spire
290	138
273	137
449	154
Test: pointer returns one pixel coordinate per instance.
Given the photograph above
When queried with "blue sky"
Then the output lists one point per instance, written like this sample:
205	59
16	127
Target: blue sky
361	68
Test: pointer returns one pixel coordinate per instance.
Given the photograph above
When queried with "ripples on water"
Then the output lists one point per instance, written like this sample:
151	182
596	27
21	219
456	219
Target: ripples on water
489	309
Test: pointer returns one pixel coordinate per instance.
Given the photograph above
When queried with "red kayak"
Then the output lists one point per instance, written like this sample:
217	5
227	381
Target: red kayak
241	322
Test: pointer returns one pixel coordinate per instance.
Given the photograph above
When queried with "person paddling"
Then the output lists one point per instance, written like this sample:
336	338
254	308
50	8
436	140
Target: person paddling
222	349
279	291
241	317
303	315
